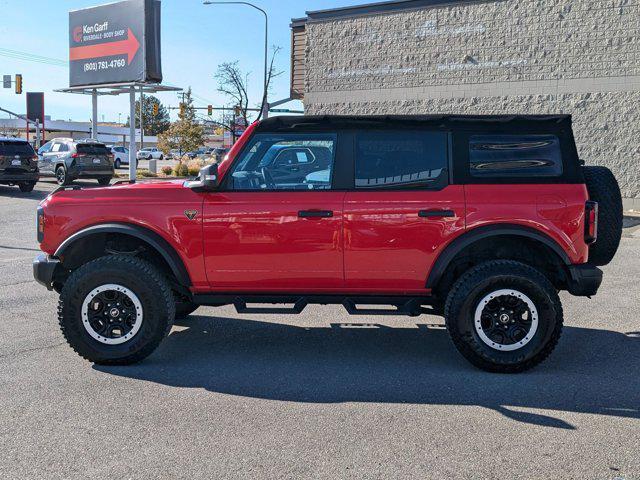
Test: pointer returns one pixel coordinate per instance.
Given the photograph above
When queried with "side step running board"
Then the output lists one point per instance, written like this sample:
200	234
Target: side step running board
361	305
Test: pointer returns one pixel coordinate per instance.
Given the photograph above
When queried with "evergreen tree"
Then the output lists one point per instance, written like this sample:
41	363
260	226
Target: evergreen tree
184	134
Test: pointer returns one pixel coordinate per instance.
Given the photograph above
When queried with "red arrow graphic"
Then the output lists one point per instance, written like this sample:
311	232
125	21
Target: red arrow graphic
130	47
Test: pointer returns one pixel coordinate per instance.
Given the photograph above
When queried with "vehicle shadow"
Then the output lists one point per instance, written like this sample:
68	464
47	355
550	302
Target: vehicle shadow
38	193
592	371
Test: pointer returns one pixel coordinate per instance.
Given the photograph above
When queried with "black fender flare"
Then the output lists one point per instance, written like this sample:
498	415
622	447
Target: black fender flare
480	233
152	238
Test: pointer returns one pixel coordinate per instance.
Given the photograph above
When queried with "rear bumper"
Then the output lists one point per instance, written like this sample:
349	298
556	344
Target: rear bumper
81	172
19	177
584	280
44	268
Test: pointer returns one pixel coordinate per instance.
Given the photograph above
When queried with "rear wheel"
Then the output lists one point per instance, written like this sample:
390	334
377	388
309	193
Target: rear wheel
26	187
116	310
104	181
504	316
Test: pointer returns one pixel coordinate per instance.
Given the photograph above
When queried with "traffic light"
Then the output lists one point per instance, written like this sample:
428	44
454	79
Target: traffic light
155	109
18	83
210	109
237	110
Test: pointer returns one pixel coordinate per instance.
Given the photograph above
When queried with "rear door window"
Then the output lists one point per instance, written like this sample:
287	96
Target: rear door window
400	159
504	156
22	149
91	149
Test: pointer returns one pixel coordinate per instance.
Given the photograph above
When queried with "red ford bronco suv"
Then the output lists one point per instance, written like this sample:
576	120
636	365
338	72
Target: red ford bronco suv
479	219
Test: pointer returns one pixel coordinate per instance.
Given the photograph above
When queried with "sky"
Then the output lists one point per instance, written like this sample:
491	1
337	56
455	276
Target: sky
195	40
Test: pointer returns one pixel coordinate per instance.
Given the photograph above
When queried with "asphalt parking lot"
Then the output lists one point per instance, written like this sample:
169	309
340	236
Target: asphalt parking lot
321	395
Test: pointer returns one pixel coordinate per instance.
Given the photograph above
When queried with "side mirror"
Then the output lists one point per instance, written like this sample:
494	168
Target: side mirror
207	180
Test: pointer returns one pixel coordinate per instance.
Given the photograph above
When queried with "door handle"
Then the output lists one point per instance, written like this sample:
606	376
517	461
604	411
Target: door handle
436	213
315	213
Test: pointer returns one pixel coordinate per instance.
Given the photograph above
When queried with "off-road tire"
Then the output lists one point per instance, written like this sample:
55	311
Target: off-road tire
469	290
142	278
26	187
61	176
104	181
603	188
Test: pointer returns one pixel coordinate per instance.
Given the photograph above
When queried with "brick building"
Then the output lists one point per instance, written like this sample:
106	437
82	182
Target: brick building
482	57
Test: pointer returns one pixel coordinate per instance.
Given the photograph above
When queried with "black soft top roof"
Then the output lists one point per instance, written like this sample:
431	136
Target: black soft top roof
503	122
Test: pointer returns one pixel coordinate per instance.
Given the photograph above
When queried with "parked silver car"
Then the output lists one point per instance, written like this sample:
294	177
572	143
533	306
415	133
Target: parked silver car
69	160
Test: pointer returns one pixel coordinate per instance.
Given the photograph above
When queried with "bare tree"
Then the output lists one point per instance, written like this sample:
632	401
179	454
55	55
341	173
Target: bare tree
232	82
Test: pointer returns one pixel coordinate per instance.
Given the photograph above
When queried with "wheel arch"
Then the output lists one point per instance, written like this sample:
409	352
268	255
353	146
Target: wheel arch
503	232
161	246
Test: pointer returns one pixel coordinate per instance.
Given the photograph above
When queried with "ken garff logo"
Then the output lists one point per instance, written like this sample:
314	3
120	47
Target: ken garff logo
191	214
77	34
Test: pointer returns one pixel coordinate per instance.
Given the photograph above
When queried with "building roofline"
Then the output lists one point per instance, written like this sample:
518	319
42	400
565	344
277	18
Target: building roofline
389	6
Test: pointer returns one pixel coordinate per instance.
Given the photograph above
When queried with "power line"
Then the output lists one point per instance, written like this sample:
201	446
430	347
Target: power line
31	57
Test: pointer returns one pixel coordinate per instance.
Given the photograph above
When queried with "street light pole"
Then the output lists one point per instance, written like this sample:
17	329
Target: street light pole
264	110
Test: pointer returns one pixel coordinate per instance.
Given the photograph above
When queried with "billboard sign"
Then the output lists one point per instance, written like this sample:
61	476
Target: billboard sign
115	43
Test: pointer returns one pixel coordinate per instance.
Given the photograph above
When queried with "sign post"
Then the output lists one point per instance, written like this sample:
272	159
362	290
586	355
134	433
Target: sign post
132	134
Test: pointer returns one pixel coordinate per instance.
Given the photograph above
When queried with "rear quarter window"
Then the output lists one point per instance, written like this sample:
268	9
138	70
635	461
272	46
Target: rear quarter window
509	156
16	148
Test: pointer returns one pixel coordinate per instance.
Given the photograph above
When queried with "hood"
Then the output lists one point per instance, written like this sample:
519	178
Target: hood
123	194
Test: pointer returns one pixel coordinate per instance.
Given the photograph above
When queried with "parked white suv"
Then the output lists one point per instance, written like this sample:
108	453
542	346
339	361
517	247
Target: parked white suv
120	155
149	153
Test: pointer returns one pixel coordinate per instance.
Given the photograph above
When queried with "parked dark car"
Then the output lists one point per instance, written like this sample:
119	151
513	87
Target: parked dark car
69	160
18	164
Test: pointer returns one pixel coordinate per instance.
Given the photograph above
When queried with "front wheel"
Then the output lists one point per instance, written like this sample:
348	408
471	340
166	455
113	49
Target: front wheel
504	316
116	164
104	181
116	310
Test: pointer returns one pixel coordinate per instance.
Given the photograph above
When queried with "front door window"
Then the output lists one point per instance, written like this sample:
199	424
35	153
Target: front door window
285	162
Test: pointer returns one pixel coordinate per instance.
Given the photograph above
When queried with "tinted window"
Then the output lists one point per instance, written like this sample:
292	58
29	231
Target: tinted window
400	158
515	156
16	148
92	149
286	162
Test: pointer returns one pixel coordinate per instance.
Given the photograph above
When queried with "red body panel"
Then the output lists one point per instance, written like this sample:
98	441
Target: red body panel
255	241
554	209
158	206
388	247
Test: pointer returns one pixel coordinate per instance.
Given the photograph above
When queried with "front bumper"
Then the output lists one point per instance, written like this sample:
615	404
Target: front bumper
44	268
584	280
